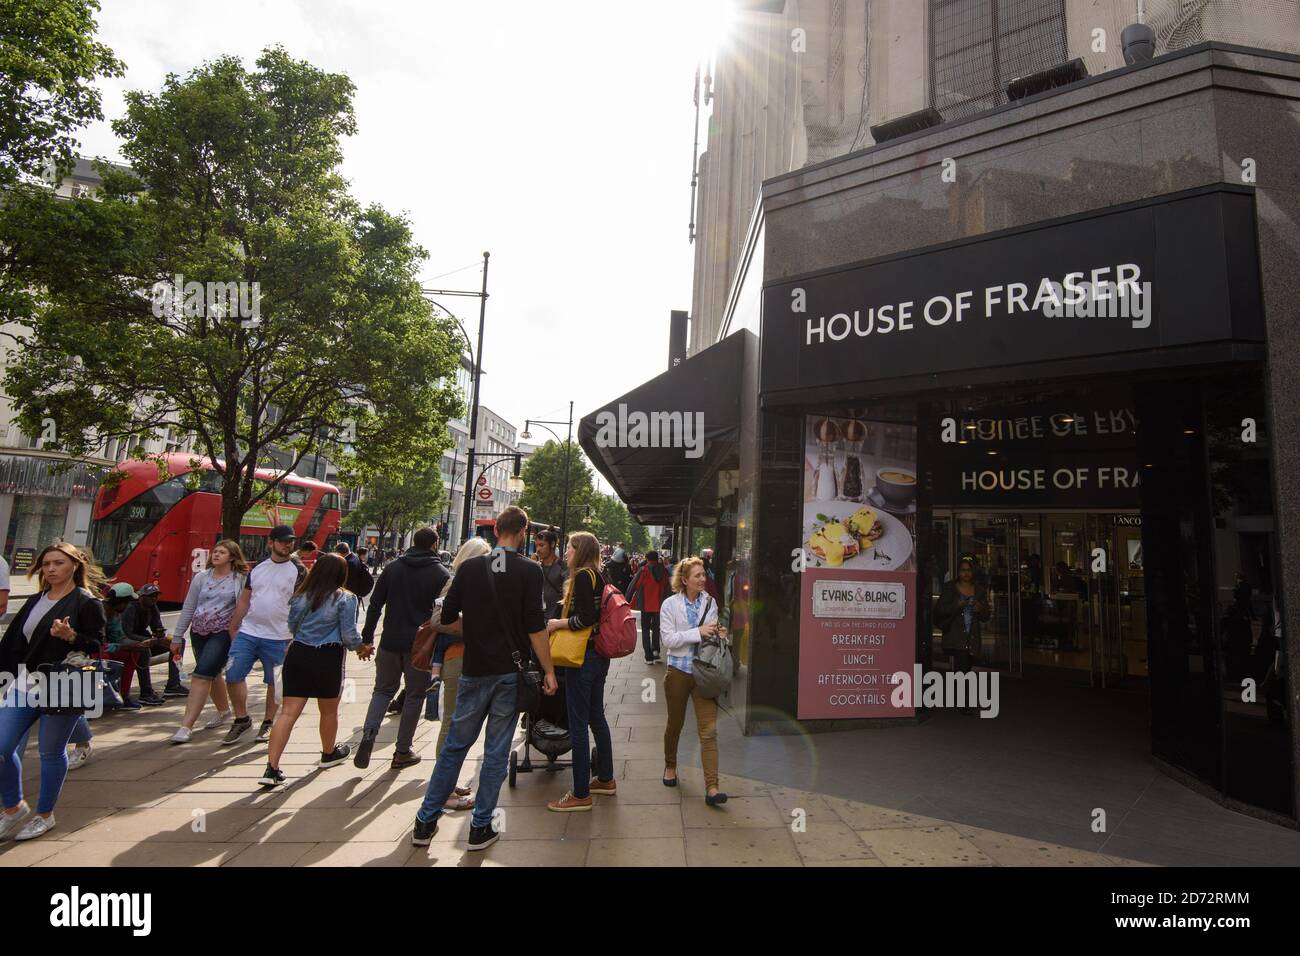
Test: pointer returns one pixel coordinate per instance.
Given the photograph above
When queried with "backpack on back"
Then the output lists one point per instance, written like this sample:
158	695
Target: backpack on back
359	575
617	634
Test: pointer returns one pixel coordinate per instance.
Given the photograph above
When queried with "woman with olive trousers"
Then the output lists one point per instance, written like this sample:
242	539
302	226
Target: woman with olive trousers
685	619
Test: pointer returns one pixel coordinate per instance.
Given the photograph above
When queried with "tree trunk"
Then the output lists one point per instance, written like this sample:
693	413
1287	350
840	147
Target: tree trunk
232	514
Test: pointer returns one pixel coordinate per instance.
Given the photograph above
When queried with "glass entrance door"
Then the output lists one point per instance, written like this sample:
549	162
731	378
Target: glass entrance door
1056	611
1117	602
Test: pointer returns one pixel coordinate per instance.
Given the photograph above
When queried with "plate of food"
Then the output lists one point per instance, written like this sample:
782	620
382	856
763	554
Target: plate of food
846	534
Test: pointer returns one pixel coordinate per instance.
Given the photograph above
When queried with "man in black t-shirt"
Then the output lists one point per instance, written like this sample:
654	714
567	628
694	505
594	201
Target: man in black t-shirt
498	599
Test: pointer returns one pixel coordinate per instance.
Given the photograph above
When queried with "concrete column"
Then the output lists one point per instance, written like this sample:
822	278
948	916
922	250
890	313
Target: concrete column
76	529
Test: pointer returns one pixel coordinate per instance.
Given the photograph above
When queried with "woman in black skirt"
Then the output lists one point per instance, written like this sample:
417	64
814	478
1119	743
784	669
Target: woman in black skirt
323	621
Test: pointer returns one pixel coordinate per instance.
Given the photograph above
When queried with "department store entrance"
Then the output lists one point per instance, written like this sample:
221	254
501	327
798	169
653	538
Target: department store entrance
1066	592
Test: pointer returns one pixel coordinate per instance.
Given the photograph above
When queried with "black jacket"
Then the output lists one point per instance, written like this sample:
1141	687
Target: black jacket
140	624
86	615
407	589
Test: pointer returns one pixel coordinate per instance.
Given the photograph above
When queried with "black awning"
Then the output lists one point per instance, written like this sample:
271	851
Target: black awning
660	442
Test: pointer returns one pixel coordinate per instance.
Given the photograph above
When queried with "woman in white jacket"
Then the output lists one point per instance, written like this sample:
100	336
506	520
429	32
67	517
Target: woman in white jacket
685	619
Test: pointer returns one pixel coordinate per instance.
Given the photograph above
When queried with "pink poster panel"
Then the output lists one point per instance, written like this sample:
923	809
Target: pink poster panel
858	629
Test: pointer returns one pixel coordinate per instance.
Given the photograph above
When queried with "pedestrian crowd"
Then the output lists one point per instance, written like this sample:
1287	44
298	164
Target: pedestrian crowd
480	633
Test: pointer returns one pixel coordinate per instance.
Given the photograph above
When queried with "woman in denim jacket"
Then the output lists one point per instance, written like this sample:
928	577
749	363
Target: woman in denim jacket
323	622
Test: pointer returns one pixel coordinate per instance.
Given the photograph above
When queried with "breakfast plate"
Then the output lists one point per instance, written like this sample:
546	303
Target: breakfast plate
846	534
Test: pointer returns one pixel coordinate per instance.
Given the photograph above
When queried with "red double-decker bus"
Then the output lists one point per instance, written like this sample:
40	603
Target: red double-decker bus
156	530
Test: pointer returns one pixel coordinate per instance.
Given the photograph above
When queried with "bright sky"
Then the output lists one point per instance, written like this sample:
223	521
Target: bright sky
555	136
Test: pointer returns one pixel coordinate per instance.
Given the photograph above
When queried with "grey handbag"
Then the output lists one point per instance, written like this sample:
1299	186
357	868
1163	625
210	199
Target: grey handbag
713	665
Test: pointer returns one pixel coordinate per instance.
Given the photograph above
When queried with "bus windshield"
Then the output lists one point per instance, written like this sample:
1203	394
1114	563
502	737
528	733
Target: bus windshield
116	534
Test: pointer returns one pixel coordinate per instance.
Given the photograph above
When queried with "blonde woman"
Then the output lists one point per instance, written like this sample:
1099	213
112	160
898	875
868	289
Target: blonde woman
206	614
64	616
685	619
585	686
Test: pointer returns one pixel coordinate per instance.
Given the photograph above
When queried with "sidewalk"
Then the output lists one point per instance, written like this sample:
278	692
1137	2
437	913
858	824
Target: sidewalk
953	792
142	801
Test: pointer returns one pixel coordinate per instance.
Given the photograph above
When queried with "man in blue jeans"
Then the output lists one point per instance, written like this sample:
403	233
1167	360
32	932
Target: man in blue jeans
499	599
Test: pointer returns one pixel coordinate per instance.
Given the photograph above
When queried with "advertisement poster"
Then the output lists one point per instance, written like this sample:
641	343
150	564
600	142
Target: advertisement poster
858	594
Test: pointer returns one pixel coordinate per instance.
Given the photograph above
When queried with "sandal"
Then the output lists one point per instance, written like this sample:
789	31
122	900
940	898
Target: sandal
458	803
462	791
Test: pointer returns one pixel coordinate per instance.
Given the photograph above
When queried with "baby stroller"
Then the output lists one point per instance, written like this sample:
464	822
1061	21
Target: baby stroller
547	732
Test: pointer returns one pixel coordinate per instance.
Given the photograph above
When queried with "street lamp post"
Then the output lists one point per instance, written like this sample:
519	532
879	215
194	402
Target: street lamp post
527	434
514	484
451	491
478	375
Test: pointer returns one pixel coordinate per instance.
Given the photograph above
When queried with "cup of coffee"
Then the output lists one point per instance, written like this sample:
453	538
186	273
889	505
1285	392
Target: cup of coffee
896	485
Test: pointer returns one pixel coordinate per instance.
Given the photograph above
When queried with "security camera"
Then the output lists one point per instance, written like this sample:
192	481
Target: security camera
1139	43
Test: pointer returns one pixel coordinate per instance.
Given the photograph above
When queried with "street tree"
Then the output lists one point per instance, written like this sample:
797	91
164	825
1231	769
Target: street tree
49	61
399	505
229	284
543	475
638	537
610	521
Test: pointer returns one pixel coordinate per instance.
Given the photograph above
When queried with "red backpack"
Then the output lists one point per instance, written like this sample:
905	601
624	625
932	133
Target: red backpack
617	634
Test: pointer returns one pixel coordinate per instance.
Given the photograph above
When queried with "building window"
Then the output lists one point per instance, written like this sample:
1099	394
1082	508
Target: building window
977	47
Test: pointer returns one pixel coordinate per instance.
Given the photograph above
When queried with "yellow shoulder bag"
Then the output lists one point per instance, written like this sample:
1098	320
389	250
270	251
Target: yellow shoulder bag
569	647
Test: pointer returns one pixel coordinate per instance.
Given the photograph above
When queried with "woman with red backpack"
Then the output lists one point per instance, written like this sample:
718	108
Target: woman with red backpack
646	593
584	687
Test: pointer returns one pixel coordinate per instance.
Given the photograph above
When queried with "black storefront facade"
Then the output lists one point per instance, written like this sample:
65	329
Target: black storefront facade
1075	361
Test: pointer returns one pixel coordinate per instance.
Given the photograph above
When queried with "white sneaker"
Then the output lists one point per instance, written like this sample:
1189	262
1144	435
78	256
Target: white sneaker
9	823
219	720
36	826
79	756
182	735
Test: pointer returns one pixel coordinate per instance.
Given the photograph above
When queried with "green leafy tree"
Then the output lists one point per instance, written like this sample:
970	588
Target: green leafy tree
608	520
300	326
49	60
400	506
543	475
638	537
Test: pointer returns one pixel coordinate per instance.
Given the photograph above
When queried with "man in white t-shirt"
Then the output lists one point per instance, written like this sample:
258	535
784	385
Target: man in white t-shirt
260	631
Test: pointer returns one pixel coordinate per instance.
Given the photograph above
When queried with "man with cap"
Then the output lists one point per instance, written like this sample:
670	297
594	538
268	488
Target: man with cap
142	623
116	646
259	631
139	639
